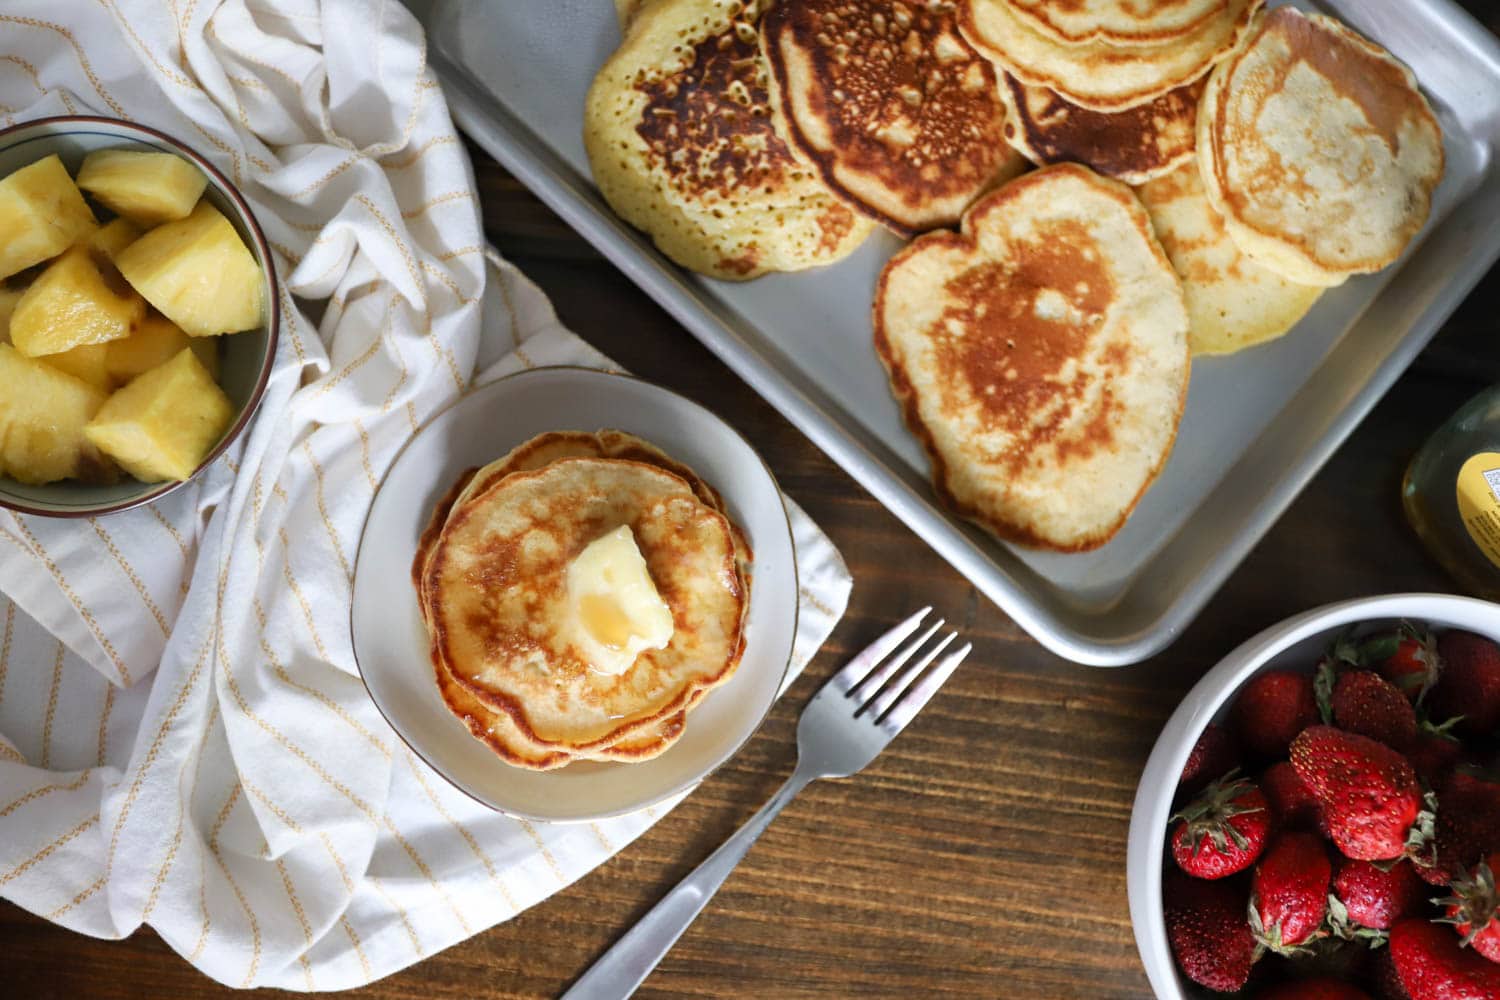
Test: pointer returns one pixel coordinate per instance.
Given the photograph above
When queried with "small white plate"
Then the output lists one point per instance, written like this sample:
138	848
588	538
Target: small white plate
390	640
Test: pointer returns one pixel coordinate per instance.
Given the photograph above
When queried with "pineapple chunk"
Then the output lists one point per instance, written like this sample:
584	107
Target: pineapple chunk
87	362
42	417
73	302
155	342
41	215
109	240
197	273
149	188
163	424
8	299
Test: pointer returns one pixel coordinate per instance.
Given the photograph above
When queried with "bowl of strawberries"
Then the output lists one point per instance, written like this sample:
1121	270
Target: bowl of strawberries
1320	818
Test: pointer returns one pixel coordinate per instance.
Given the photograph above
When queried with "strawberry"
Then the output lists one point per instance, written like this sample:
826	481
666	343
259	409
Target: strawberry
1434	753
1470	683
1213	756
1368	704
1323	957
1406	656
1321	988
1207	930
1369	792
1467	827
1223	830
1316	988
1293	804
1383	979
1370	898
1289	892
1432	966
1474	908
1272	709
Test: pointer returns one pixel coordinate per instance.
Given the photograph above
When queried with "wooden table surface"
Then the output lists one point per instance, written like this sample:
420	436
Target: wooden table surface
983	855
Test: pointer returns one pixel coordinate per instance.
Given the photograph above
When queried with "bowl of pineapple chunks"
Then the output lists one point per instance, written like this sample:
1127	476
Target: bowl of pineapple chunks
138	315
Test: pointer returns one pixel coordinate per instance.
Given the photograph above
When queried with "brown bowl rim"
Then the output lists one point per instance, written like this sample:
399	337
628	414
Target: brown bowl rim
268	362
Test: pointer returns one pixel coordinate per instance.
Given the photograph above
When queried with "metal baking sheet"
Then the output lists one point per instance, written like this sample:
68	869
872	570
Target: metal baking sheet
1257	427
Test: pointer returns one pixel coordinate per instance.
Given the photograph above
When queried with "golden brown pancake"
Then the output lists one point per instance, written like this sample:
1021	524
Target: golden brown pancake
1132	146
497	729
626	10
544	449
1040	356
1233	303
679	135
1318	149
898	112
1101	74
1118	22
496	589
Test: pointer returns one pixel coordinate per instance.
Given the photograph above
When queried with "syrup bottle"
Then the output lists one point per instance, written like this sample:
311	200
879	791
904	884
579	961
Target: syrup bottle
1452	495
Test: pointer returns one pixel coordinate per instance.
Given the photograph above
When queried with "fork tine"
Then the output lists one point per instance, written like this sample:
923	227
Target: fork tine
881	701
856	669
919	694
873	681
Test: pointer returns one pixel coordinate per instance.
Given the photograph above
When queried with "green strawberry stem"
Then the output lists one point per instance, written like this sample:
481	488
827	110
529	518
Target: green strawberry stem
1269	938
1343	926
1421	839
1345	649
1441	729
1212	810
1324	682
1474	902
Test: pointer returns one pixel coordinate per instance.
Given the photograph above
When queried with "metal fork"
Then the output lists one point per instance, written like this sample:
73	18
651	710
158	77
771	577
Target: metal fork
847	723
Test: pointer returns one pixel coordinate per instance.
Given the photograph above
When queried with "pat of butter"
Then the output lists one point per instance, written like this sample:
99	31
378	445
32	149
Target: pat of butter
615	609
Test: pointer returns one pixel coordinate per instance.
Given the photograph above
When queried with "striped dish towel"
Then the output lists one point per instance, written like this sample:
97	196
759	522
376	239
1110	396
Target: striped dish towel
184	741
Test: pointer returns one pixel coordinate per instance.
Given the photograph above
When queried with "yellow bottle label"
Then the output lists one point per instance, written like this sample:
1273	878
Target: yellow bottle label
1479	502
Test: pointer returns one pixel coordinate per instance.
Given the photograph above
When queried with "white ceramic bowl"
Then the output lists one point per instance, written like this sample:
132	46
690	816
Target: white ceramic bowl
246	359
390	640
1293	644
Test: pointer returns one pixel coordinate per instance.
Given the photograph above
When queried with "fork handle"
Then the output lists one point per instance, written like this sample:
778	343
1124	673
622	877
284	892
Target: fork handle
617	974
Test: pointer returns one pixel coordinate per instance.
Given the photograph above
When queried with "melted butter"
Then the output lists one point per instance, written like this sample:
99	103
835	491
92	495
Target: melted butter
604	619
615	610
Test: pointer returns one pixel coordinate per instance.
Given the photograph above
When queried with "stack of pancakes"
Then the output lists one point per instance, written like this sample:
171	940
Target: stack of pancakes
1040	353
490	573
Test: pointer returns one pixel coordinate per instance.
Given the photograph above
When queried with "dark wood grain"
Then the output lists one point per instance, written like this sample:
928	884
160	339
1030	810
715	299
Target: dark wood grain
983	854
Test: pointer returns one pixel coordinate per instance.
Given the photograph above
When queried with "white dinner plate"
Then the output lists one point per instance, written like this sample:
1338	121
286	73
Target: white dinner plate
390	640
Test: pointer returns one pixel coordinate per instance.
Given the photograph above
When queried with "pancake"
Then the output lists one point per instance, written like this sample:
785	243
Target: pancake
894	109
1318	149
1232	301
1040	356
497	729
1132	146
509	742
1118	22
1098	74
625	11
496	595
544	449
678	131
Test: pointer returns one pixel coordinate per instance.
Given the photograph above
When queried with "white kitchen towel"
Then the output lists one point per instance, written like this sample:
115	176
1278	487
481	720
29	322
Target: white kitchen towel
184	741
